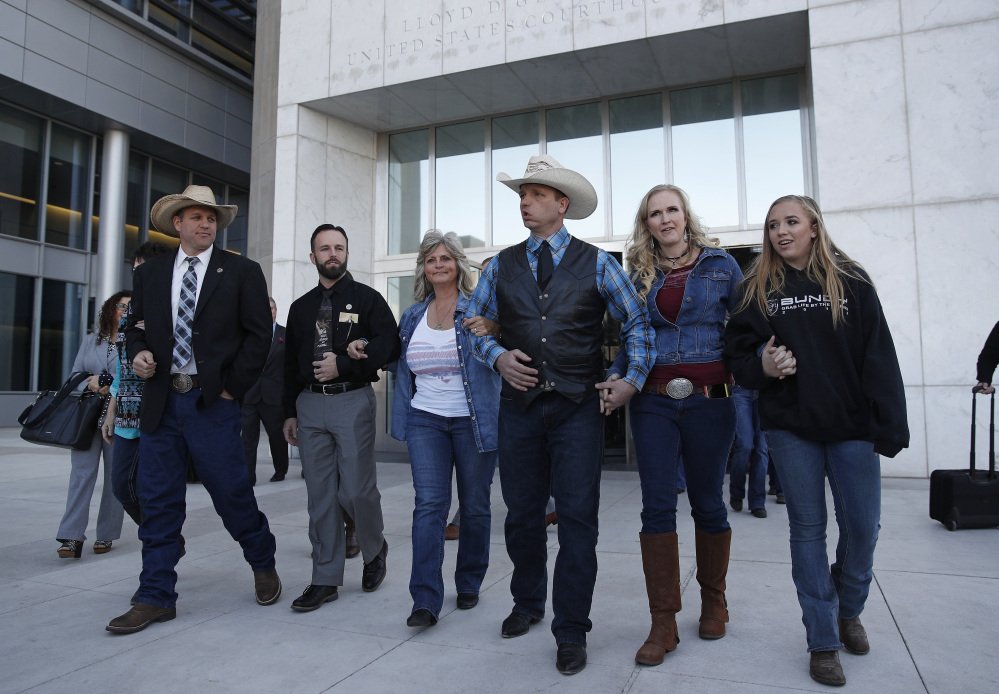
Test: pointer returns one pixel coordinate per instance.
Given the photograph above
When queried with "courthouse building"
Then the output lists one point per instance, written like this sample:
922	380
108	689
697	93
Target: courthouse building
391	117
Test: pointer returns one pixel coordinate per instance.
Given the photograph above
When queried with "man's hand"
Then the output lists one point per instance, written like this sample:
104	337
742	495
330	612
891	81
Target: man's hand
107	427
144	365
778	362
355	350
290	430
514	372
325	370
614	393
225	394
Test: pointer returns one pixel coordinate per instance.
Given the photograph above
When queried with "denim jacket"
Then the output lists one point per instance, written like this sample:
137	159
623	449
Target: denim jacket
696	337
482	384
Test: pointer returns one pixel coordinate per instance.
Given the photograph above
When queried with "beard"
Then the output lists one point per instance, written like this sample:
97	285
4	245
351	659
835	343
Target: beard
333	272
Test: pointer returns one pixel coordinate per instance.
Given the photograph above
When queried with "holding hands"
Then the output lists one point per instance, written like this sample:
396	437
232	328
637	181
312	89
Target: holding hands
480	327
614	393
778	362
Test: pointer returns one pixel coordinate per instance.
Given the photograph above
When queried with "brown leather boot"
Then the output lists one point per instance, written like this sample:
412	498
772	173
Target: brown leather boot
353	548
712	566
660	559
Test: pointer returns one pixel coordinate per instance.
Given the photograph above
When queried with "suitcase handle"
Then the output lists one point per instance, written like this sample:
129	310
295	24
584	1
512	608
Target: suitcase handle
992	432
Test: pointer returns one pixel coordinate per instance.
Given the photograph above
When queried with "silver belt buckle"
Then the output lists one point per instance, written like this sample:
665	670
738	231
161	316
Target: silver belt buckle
679	388
181	383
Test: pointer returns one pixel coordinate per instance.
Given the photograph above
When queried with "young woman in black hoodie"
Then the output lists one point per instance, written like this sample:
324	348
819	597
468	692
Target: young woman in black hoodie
810	335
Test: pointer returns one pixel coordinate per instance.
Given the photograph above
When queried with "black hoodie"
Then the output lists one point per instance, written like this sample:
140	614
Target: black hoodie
848	385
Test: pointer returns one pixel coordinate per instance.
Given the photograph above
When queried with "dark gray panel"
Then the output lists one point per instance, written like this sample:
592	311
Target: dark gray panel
11	60
67	265
203	142
239	103
205	115
55	45
53	78
494	89
205	87
163	95
238	130
691	57
66	16
113	72
165	67
115	41
19	257
237	156
375	108
774	43
622	67
556	79
111	103
12	21
435	99
161	124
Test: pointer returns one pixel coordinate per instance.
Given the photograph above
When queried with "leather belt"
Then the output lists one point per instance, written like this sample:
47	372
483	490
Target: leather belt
680	388
182	383
334	388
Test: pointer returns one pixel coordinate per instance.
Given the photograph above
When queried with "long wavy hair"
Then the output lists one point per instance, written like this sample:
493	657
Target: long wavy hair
643	250
827	264
433	238
106	322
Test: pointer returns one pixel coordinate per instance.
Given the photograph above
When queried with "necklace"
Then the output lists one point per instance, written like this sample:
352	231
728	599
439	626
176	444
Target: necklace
440	321
674	259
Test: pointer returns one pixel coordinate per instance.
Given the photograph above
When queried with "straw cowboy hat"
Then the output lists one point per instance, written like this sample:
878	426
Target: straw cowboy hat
202	196
544	170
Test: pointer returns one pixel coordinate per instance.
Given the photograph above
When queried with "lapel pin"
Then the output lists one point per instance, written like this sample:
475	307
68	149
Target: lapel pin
349	307
219	270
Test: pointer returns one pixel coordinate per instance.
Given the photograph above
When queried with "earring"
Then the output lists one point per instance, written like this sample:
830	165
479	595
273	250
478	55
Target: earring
686	234
652	245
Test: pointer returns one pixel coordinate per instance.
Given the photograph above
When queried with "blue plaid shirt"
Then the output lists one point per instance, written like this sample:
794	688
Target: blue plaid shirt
623	302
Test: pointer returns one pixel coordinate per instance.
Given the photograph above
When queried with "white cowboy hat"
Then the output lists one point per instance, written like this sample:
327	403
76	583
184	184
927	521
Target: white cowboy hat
545	171
201	196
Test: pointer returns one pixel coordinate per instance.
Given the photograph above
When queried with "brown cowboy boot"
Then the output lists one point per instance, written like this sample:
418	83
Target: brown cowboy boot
661	561
712	566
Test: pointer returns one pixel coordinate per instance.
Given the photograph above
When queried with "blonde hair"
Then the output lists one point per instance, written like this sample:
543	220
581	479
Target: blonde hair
433	238
827	264
642	249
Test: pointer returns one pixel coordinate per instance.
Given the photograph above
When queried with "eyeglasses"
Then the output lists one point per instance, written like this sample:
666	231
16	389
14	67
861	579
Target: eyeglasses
121	305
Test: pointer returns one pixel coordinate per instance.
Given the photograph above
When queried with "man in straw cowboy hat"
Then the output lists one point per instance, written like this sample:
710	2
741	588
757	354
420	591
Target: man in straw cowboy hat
203	345
549	293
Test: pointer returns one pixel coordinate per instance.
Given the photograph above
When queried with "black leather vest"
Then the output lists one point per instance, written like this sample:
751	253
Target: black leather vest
560	328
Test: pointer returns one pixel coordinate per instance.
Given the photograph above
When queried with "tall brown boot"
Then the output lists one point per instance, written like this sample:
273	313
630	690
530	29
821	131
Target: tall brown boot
662	581
712	566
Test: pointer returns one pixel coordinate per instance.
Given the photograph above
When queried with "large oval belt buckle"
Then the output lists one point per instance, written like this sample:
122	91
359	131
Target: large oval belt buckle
679	388
181	383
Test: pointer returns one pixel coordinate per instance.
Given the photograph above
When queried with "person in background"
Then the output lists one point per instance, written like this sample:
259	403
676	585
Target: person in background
749	455
809	334
96	356
987	360
262	403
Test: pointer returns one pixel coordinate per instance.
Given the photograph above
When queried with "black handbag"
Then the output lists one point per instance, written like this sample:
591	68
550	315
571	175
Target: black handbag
66	418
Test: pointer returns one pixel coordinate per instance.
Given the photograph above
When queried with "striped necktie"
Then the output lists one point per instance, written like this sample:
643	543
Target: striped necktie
185	316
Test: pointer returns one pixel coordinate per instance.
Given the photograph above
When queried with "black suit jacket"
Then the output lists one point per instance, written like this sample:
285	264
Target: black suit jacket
232	329
270	388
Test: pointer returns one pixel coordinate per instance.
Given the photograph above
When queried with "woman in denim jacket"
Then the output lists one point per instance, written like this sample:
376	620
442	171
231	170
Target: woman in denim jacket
446	408
684	409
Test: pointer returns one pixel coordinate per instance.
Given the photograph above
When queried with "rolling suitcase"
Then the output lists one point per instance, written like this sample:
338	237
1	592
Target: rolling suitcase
968	498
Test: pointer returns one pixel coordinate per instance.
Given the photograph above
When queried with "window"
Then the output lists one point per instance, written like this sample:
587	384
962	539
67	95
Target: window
20	175
514	141
68	187
637	156
575	139
62	331
15	331
408	190
461	187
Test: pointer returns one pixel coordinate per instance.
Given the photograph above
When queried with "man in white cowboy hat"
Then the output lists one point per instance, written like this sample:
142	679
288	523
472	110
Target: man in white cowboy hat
205	338
549	293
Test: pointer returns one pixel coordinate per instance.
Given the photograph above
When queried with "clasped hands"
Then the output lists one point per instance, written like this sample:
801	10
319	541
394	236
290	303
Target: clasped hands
778	362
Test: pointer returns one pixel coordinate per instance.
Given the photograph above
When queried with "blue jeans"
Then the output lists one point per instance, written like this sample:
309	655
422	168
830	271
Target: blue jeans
854	473
700	430
211	435
436	444
124	475
556	444
750	450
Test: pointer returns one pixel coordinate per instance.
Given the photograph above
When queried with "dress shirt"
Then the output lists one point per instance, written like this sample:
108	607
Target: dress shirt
179	269
615	288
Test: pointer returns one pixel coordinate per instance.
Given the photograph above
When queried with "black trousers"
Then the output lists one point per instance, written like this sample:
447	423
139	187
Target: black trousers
273	418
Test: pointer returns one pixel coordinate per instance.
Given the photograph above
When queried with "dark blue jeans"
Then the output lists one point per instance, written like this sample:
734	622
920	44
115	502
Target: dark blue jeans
436	445
750	450
854	474
556	444
212	437
124	472
700	430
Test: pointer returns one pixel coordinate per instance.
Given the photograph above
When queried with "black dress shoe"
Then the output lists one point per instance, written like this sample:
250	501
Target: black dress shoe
736	504
517	624
374	573
571	658
314	597
759	512
277	477
467	601
421	618
139	617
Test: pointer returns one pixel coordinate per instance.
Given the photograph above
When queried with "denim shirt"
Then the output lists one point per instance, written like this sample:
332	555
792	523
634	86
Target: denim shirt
482	384
709	295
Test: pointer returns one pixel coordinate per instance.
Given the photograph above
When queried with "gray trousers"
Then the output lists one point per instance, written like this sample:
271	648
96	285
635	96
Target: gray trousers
82	479
336	439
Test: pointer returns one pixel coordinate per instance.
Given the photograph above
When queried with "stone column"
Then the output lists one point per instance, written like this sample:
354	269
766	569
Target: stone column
111	229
